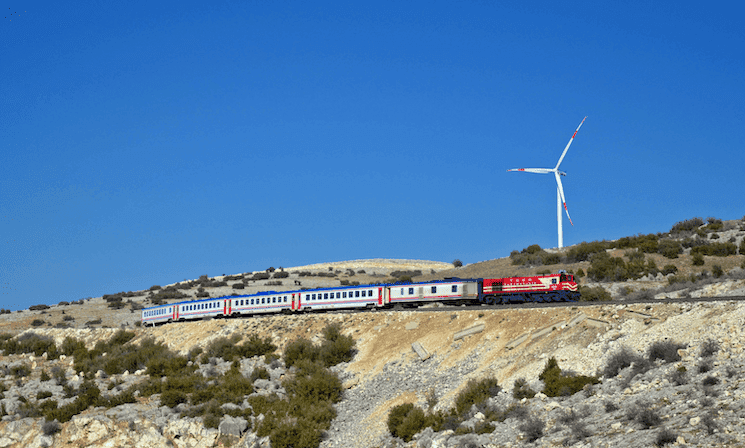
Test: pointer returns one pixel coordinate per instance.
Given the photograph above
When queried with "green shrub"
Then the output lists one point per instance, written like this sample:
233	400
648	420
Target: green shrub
43	394
717	271
557	384
457	263
405	421
593	293
259	373
337	348
312	383
298	350
521	389
687	225
669	269
716	249
300	434
698	259
670	248
172	398
475	393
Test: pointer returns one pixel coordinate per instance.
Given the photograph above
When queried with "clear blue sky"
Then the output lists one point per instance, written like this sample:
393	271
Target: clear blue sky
146	143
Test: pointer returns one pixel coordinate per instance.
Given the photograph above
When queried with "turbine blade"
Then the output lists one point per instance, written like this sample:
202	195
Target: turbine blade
534	170
561	193
569	144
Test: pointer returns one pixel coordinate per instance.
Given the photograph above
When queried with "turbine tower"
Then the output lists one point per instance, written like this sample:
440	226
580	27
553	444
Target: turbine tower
559	189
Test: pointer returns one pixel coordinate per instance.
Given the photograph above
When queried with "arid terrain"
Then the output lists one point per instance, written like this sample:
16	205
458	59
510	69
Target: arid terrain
415	356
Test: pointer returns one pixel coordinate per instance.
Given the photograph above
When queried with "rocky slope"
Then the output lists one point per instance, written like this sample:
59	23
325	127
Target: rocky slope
506	343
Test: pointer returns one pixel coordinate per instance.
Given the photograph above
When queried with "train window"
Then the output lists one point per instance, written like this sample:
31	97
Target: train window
263	300
285	299
411	291
274	300
363	293
307	297
402	291
553	280
434	289
369	293
455	288
344	295
338	295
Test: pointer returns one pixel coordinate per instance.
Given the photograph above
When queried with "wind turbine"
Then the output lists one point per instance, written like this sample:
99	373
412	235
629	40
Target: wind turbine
559	189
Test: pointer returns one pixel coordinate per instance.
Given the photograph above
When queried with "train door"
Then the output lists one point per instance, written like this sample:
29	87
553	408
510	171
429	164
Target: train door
175	312
380	296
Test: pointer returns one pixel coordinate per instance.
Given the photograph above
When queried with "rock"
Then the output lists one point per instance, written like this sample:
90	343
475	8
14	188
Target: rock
232	425
694	421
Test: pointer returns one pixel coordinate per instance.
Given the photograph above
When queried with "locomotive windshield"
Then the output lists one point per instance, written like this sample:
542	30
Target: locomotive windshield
566	278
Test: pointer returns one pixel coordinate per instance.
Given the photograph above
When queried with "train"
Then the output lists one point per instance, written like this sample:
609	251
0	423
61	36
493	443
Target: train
559	287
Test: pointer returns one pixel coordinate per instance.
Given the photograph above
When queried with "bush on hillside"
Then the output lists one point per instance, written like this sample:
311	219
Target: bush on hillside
558	383
584	250
475	393
687	225
715	249
698	259
405	421
593	293
665	350
619	360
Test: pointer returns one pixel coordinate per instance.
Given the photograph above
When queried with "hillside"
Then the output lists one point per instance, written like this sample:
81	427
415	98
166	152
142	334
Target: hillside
693	397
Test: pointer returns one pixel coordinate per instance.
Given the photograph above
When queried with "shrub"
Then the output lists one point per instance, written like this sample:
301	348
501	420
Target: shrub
665	436
238	286
584	250
521	389
610	406
687	225
619	360
717	271
593	293
665	350
43	394
406	420
678	376
457	263
37	322
710	381
336	348
298	350
716	249
643	413
698	259
669	269
532	428
172	398
708	421
476	392
669	248
259	373
51	428
709	348
313	383
557	384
